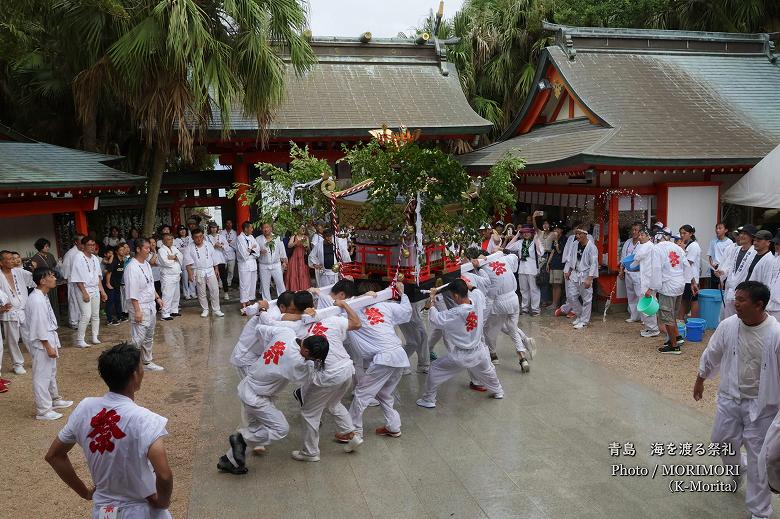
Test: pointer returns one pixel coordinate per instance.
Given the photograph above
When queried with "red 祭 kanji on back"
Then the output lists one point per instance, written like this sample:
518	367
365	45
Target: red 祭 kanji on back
104	429
497	267
674	258
374	316
273	353
317	329
471	321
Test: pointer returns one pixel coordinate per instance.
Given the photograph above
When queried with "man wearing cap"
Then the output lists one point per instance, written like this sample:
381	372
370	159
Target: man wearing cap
762	266
529	250
671	261
736	268
582	267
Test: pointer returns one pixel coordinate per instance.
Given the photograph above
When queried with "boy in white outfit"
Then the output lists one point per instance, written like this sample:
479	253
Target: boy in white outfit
44	345
86	274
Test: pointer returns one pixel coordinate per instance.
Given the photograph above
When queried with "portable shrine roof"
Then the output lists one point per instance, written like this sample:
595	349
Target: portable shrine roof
654	98
355	87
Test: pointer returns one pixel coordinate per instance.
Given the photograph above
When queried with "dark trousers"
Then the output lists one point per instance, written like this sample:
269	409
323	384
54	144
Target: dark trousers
222	267
113	304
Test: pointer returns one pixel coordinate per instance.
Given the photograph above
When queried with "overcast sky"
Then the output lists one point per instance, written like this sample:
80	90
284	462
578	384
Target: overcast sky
383	18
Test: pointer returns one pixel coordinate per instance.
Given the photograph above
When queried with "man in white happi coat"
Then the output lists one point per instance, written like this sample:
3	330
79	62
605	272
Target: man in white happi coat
377	342
762	266
44	344
570	286
74	295
171	260
217	241
14	282
181	242
326	253
649	279
87	273
247	254
582	268
229	236
200	260
504	307
736	268
745	352
631	278
285	360
773	308
462	329
141	297
272	261
122	443
529	249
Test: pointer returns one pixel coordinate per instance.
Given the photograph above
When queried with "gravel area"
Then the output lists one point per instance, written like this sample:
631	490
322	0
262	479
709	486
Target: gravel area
181	346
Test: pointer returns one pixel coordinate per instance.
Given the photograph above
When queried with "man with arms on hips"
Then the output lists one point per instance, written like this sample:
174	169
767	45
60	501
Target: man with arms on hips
462	328
736	267
202	269
272	261
229	236
247	254
529	249
14	282
631	279
582	267
324	255
141	298
86	273
122	443
44	345
74	295
744	352
171	260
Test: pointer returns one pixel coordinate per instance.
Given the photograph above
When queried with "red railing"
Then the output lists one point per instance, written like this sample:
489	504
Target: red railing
382	260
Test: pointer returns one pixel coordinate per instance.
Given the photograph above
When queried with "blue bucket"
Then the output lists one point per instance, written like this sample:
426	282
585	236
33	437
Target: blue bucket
710	303
681	329
694	330
627	261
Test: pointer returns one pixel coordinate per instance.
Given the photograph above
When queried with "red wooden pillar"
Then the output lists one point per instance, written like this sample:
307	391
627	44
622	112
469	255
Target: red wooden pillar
81	221
614	229
241	176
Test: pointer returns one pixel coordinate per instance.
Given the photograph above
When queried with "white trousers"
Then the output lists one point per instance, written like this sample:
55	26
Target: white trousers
380	383
583	309
733	425
90	312
315	400
11	332
633	286
187	288
265	423
415	337
123	298
266	275
44	380
231	269
444	368
74	308
530	293
171	295
572	294
506	323
142	334
433	338
207	281
247	285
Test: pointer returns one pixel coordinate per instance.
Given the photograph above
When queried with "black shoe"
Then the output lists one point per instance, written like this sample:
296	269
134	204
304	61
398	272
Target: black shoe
680	341
169	318
225	466
124	318
298	396
177	314
113	323
238	445
668	348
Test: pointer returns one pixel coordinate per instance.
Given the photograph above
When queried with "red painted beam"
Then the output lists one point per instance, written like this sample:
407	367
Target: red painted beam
64	205
272	157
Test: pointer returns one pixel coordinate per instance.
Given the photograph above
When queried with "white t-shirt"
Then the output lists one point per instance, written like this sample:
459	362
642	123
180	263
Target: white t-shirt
201	258
693	265
247	253
219	253
139	284
115	434
280	363
40	321
376	338
67	261
230	238
86	270
751	346
338	365
268	258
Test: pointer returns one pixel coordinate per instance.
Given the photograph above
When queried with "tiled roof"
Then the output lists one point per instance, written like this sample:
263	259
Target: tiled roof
357	87
30	165
552	145
670	97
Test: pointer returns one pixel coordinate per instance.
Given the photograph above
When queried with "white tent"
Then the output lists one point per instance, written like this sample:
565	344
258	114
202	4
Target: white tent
759	187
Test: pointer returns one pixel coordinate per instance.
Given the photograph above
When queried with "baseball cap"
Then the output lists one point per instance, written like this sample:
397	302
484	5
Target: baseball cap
748	229
763	234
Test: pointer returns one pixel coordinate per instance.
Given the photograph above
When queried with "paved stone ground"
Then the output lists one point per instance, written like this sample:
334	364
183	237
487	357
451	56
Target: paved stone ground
541	452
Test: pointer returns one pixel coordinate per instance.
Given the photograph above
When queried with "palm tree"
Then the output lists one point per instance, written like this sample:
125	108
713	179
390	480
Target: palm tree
171	63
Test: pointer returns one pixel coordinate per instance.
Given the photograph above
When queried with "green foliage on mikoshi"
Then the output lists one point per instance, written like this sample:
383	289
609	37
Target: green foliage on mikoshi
453	204
272	194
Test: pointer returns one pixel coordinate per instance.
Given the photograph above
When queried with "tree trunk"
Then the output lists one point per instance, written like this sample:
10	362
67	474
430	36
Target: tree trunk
153	189
89	134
